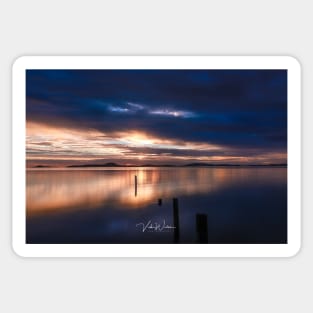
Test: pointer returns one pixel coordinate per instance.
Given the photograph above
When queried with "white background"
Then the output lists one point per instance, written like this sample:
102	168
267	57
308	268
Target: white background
163	28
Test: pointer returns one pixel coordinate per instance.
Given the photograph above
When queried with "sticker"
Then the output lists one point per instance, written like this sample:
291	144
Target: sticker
156	156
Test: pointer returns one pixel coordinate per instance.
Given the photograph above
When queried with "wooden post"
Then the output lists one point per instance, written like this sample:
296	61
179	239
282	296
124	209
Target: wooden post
176	220
135	185
202	228
159	201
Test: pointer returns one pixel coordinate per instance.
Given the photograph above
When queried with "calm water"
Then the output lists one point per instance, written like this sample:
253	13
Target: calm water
242	205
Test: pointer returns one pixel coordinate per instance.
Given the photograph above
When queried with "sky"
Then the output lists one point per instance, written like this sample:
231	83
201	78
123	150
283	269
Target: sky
136	117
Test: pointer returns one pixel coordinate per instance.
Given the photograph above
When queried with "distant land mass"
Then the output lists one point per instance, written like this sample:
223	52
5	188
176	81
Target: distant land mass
229	164
112	164
97	165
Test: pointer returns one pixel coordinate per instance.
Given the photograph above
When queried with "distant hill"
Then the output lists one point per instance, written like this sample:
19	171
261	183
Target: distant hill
97	165
232	165
156	165
209	164
112	164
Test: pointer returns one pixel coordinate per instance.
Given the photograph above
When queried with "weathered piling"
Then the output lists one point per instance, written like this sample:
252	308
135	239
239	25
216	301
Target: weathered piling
202	228
176	220
159	201
136	185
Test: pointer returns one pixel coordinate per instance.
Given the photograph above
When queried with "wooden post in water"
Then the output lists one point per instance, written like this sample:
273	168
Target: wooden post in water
202	228
135	185
176	220
159	201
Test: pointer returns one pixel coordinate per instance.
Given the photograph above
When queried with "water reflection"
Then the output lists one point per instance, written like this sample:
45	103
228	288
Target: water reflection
57	199
74	189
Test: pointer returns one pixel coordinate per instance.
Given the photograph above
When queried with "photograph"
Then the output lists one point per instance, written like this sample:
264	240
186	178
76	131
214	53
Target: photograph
156	156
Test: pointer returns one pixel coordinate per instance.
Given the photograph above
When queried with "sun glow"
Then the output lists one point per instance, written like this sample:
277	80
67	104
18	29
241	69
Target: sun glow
60	144
138	138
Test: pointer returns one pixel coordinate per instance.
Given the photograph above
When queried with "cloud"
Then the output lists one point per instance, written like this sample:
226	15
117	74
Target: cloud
239	110
173	113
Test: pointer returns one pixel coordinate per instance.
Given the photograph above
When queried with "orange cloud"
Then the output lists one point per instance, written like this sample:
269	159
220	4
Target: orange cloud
46	143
